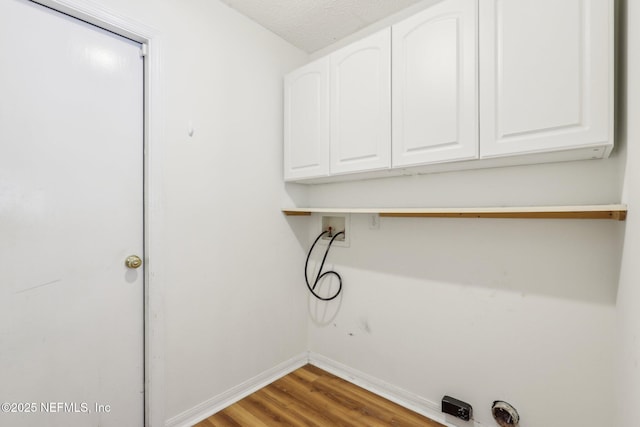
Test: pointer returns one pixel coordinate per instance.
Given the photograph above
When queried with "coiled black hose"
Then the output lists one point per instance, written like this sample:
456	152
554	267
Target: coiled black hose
320	273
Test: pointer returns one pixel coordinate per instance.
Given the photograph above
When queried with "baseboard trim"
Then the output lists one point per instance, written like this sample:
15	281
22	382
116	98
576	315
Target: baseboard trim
217	403
375	385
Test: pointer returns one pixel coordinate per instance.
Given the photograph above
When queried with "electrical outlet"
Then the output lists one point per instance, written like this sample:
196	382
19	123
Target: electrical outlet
374	221
457	408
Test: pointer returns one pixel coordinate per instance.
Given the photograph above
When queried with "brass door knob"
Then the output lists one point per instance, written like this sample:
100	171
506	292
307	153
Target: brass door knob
133	261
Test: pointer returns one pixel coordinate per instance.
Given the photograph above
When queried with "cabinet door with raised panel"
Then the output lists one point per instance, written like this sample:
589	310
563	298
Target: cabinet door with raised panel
546	75
361	105
306	121
435	96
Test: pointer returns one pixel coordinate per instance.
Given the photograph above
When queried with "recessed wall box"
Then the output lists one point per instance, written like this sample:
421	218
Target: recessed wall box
335	223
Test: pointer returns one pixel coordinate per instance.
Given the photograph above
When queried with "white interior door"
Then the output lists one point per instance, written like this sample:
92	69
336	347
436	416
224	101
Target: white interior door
71	211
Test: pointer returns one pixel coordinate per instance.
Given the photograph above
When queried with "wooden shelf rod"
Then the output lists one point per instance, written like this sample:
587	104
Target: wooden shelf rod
612	212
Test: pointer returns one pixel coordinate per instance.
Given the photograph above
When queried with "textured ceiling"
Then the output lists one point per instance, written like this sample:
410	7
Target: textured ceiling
314	24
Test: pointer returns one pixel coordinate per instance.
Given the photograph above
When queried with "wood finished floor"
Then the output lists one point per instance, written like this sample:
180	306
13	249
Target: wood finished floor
310	396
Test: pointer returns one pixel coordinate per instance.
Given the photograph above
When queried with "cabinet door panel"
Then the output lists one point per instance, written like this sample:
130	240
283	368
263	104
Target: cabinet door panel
306	121
435	85
361	104
546	75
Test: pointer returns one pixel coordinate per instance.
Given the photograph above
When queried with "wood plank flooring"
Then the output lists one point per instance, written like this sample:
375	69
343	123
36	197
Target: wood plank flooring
310	396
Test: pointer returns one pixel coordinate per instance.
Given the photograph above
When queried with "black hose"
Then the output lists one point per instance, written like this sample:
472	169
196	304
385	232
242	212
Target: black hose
320	273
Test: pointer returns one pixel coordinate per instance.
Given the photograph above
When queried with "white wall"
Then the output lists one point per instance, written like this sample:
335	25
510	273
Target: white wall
223	251
628	320
432	306
481	309
515	310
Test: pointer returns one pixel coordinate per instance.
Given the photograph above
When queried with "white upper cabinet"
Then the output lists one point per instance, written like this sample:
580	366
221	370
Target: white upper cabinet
361	105
546	76
435	95
475	83
306	121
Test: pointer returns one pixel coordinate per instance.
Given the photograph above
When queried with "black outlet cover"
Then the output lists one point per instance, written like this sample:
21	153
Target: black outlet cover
457	408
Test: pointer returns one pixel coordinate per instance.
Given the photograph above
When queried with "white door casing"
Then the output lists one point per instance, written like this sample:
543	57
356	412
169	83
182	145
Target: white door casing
71	211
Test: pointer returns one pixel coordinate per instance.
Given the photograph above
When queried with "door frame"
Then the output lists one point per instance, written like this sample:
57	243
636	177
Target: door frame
153	315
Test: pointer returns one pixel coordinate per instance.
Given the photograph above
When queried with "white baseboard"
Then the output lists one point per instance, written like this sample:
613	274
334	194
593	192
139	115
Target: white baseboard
231	396
375	385
397	395
388	391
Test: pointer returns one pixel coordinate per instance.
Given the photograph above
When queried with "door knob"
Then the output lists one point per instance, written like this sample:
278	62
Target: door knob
133	261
